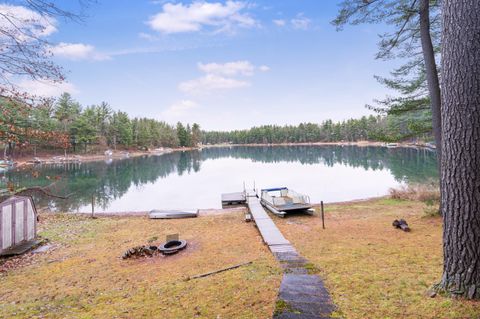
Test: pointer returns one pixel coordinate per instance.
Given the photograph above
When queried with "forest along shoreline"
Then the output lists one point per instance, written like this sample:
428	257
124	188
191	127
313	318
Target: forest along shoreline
25	160
56	158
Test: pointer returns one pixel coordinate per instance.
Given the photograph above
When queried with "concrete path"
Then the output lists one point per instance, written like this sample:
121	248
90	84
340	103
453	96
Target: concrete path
302	295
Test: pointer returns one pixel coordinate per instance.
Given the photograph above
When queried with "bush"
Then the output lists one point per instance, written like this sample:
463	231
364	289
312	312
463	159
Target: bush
428	193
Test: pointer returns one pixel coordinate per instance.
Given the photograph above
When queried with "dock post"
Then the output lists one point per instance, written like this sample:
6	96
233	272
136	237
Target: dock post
93	205
323	215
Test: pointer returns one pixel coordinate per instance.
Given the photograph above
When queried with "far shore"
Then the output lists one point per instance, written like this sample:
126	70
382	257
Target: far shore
358	143
55	158
25	160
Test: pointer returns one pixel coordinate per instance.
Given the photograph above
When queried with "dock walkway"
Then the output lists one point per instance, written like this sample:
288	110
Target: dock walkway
302	295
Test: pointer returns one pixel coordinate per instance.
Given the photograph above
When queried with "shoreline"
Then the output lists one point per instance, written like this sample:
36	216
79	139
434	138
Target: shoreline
201	212
26	161
358	143
206	211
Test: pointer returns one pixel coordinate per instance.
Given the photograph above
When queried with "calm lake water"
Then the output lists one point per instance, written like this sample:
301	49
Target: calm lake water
195	179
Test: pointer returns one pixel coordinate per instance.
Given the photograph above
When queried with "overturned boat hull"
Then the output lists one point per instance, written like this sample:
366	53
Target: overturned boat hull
171	214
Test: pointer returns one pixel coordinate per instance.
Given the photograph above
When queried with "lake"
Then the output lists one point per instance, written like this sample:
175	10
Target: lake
196	179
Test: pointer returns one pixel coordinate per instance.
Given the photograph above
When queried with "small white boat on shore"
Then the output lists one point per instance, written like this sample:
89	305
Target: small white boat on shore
6	164
431	146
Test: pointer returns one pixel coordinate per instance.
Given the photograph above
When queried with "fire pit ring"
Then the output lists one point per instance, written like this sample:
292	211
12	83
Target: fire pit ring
172	247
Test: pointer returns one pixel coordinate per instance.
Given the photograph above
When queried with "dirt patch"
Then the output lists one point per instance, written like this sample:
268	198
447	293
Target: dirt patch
215	212
192	247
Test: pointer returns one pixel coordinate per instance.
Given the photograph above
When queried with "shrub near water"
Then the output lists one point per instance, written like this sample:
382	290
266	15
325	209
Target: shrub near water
426	193
418	192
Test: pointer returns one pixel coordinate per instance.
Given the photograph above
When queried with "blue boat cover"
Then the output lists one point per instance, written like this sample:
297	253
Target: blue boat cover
273	189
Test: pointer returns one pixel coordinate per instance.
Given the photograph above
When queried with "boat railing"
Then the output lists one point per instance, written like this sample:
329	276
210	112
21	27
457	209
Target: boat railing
298	198
290	197
307	199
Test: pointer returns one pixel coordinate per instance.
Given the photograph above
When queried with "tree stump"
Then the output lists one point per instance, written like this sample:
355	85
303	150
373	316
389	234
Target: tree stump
401	224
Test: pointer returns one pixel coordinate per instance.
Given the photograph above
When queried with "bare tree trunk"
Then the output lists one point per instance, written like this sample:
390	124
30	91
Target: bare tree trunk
11	148
432	74
460	173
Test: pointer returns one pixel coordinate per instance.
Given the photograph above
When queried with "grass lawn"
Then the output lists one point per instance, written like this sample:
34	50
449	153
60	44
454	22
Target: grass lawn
372	269
84	276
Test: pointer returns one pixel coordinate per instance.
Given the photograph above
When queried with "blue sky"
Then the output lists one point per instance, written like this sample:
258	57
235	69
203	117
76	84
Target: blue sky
223	64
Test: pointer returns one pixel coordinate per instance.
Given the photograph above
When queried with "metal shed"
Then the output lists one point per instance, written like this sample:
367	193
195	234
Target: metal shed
18	224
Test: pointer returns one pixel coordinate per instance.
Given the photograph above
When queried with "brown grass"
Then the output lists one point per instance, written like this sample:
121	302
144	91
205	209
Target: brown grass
84	277
423	193
372	269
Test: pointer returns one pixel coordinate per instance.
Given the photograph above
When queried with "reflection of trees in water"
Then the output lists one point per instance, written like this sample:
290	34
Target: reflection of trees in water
111	181
406	164
106	182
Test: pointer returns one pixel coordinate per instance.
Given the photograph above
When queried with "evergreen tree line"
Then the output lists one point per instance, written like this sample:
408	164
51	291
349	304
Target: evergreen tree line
86	127
389	128
65	124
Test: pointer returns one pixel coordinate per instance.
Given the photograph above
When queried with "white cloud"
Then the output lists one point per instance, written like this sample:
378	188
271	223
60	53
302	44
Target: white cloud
178	18
301	22
228	69
77	51
264	68
180	108
221	76
147	36
280	22
211	82
25	23
46	88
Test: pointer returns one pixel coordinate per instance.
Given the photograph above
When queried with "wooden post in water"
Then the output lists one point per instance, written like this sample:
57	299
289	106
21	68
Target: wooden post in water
323	215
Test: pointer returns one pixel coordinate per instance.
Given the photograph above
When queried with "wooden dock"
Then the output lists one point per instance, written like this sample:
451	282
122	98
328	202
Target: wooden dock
233	199
271	235
305	293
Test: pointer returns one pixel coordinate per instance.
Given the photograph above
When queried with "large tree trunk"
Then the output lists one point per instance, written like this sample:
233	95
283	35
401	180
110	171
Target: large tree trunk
432	74
460	173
